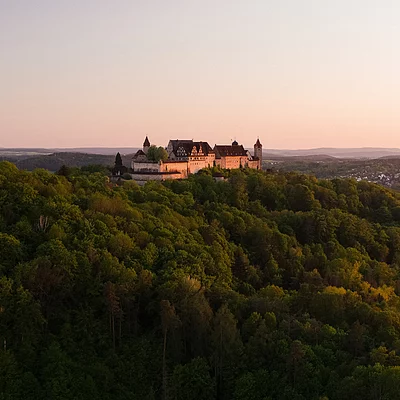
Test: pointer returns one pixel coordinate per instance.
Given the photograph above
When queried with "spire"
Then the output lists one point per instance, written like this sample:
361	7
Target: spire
146	142
258	144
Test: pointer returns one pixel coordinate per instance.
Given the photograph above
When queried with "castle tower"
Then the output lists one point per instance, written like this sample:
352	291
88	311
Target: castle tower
258	151
146	145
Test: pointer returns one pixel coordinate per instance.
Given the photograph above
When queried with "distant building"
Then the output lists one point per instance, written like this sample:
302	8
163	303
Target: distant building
188	157
218	177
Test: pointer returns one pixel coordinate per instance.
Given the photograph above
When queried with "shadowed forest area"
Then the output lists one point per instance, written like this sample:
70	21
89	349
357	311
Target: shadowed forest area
263	286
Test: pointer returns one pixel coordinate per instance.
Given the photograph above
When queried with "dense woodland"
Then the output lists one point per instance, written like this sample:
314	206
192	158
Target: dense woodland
263	286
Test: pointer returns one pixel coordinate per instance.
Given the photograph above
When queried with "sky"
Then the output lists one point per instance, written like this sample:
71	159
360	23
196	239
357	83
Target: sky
295	73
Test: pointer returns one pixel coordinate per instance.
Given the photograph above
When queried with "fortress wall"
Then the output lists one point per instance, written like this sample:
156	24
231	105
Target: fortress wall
146	166
179	166
197	165
142	177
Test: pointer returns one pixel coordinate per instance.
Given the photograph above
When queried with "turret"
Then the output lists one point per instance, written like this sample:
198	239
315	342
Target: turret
146	145
258	151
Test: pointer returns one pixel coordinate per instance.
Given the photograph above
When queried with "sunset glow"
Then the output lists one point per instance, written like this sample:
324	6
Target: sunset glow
298	74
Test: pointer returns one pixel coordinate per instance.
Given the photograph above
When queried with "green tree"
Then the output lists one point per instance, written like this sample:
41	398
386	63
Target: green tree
118	160
227	347
193	381
169	321
157	154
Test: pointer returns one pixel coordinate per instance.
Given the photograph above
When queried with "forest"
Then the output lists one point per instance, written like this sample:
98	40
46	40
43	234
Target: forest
264	286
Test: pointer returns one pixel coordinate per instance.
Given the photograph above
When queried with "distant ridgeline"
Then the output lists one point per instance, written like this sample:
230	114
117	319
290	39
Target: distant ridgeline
184	157
53	161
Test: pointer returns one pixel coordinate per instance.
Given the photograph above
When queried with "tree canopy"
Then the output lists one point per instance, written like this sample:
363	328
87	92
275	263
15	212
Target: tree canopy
157	154
262	286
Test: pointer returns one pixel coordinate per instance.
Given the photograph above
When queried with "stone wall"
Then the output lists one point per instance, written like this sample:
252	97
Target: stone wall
145	166
195	165
175	166
143	177
255	164
232	162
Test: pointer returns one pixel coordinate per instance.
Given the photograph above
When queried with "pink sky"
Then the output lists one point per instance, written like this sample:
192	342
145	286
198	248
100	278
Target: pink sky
298	74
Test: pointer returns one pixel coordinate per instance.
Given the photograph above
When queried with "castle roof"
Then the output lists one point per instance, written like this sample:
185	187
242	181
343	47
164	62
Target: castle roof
186	147
226	151
146	142
176	142
258	144
139	153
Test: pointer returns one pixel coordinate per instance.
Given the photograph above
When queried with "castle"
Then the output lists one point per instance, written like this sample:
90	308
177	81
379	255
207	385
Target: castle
188	157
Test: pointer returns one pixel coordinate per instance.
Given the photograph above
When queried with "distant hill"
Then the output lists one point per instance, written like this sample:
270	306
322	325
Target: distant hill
309	158
363	152
86	150
54	161
101	150
390	157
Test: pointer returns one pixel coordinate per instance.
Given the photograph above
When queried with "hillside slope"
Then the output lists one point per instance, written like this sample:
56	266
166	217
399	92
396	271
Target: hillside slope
263	286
